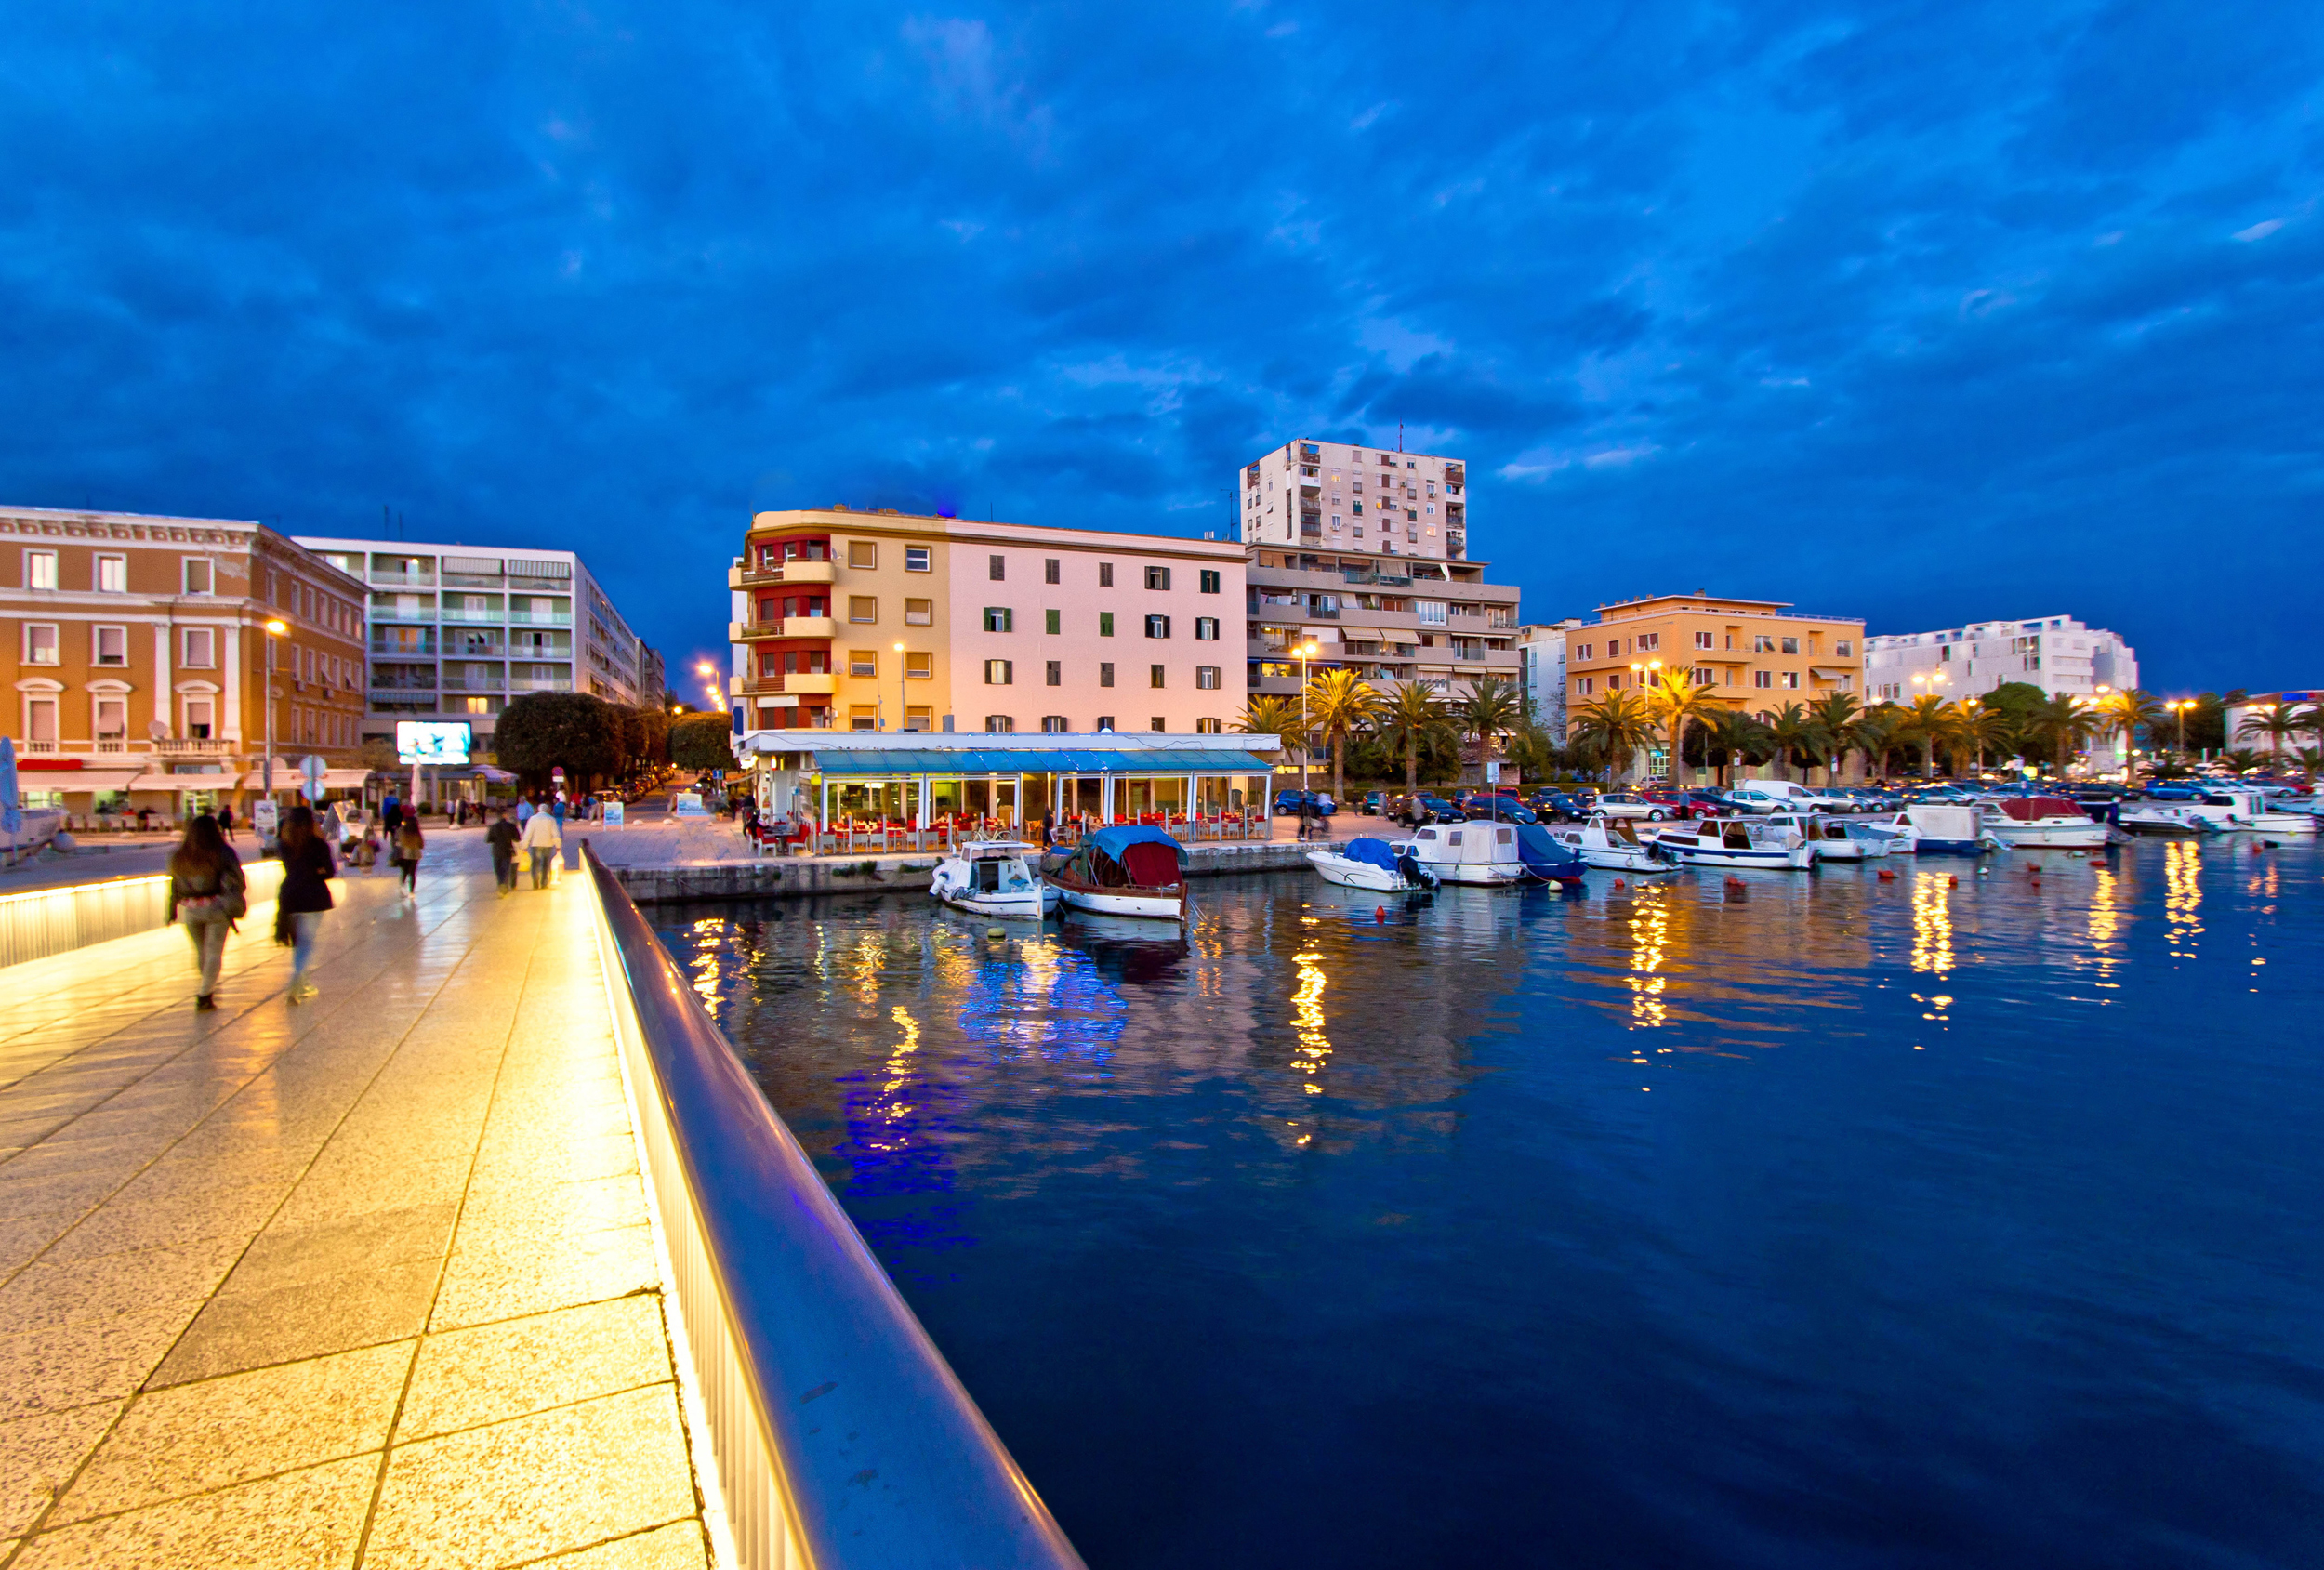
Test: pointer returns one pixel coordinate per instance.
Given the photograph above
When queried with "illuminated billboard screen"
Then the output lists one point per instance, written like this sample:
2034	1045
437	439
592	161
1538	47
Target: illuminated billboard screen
432	741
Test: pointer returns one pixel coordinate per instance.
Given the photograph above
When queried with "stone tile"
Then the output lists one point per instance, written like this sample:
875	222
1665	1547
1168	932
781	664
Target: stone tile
537	1486
119	1224
23	1237
575	1160
242	1330
55	1190
83	1362
147	1281
331	1191
592	1206
308	1520
508	1278
680	1546
191	1439
290	1255
38	1454
467	1379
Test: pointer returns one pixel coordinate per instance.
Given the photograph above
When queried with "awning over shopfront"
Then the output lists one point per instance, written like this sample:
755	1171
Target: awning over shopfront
77	779
286	778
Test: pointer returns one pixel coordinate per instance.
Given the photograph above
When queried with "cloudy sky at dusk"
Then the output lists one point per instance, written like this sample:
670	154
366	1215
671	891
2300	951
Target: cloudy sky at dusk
1926	312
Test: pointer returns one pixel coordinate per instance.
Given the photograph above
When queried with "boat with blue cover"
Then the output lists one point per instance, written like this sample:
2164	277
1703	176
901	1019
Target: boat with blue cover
1545	860
1125	870
1378	865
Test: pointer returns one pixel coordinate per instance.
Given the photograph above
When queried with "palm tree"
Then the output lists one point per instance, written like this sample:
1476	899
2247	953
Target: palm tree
1928	722
1339	703
2243	759
1875	736
1837	715
2277	723
1493	706
1617	725
1278	717
1409	722
1984	728
2064	725
1796	735
1673	698
1733	734
2126	711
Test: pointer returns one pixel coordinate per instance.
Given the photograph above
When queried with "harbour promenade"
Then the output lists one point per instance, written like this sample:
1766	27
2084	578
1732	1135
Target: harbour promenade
367	1280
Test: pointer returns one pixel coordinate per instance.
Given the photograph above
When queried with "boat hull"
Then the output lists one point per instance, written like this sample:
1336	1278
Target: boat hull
1149	904
2051	834
1359	875
1951	847
1480	873
1773	858
1030	905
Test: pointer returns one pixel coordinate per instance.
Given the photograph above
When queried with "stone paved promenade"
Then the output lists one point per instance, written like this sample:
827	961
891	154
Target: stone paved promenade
365	1280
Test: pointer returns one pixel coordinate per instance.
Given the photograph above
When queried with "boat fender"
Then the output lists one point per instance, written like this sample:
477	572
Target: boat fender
1380	916
1619	884
996	931
1887	875
1952	883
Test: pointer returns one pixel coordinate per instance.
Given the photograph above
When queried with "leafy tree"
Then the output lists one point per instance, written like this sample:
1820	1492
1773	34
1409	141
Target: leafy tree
539	732
1737	737
1983	728
701	742
2243	759
2126	713
2275	723
379	755
1339	703
1674	697
1619	726
1926	724
2205	724
1409	724
1533	750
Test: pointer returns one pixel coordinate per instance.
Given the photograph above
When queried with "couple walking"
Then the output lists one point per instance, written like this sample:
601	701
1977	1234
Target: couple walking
209	892
542	840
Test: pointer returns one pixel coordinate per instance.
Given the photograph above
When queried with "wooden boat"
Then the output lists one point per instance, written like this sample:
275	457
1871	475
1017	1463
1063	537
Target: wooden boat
994	877
1125	870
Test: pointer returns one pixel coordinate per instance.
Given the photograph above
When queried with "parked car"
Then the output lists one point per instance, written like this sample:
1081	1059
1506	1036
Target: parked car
1287	803
1630	804
1500	804
1427	809
1705	803
1374	804
1558	806
1786	796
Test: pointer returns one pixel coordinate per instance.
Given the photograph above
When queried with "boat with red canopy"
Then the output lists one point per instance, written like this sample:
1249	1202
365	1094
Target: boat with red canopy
1125	870
2037	823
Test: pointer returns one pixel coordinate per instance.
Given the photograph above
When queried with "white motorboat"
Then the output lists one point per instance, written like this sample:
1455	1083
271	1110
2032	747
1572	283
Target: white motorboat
1738	842
1381	866
994	877
1611	843
2043	822
1123	870
1891	836
1483	851
2252	810
2166	817
1830	838
1948	829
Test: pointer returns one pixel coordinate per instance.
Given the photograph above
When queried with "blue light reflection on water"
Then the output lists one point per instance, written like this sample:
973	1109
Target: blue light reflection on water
1828	1220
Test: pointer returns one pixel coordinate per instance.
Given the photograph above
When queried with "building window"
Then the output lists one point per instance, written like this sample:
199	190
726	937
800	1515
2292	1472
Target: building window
1158	723
1153	677
863	609
1763	644
1105	575
999	673
198	648
1105	624
39	644
113	719
1157	626
996	569
1843	647
1702	676
40	722
1207	727
110	645
999	618
1762	679
863	661
1158	578
999	724
1054	724
1614	681
1106	674
919	668
1050	568
920	717
863	554
40	568
198	712
1790	645
1702	640
1210	584
198	578
1050	621
1647	643
1585	652
920	613
112	574
1105	723
1206	629
1792	680
916	559
1205	676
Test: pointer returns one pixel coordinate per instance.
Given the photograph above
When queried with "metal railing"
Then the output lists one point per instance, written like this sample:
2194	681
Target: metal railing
41	922
816	1377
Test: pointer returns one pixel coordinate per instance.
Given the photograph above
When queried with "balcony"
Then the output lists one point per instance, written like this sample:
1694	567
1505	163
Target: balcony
470	617
781	627
809	683
401	580
788	573
540	618
540	685
424	650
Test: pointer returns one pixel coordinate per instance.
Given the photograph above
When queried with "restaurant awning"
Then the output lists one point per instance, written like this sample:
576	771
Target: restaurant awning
291	779
893	762
77	779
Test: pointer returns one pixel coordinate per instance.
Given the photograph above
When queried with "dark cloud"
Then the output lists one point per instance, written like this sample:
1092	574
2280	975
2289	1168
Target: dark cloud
1928	311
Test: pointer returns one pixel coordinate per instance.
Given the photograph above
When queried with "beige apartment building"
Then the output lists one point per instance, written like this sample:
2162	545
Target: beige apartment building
885	621
1756	654
135	647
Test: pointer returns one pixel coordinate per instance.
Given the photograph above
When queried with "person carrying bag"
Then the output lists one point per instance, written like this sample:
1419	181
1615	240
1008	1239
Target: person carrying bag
208	892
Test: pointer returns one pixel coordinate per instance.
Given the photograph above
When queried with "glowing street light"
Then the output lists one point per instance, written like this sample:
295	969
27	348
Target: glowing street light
274	630
1306	651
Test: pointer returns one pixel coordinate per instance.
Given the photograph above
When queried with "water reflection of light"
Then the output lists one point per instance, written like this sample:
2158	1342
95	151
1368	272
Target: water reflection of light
2181	897
892	1105
1932	924
2105	919
709	934
1650	942
1307	1018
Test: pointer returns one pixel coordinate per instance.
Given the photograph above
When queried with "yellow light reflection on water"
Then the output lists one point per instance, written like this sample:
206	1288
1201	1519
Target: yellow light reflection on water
1650	944
1307	1018
709	932
2105	918
890	1105
1931	923
2181	897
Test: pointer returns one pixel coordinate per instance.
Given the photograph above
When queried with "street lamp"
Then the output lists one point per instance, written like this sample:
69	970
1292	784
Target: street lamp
274	630
2178	708
1306	651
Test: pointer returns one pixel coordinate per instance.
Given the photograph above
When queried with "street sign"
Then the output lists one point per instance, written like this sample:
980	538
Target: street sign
1493	772
313	766
262	816
558	772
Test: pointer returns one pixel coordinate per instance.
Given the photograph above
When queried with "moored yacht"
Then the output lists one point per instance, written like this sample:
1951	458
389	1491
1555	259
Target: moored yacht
2043	822
994	877
2250	809
2165	817
1383	866
1611	843
1482	852
1738	842
1124	870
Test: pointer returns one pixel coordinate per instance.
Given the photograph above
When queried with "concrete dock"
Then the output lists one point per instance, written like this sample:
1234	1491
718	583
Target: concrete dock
366	1280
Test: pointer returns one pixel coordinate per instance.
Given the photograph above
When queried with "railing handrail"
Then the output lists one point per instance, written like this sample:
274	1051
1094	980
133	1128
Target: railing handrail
879	1453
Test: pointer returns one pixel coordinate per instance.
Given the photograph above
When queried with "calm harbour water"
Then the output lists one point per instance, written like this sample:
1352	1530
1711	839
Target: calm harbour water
1829	1222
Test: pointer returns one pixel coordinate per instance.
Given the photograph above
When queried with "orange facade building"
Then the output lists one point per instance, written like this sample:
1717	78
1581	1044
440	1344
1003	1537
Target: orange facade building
1757	655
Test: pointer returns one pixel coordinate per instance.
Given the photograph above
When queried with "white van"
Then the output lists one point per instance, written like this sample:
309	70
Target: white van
1786	796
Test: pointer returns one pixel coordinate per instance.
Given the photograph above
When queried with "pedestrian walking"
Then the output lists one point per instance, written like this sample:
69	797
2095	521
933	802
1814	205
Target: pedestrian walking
543	844
207	891
502	837
307	871
390	814
409	843
226	820
558	807
524	811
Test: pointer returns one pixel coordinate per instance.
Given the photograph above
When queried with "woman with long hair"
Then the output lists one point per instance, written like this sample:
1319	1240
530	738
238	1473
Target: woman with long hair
409	843
207	889
307	871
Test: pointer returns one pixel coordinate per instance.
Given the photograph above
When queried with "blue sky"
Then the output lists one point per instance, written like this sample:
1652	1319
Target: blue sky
1926	312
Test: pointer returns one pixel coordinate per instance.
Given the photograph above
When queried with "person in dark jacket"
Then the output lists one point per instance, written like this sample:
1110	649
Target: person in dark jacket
502	838
409	843
206	891
307	871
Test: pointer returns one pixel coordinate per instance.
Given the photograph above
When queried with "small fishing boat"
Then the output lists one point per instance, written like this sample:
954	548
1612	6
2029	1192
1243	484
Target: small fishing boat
2171	818
994	877
1378	865
1545	860
1612	844
1889	836
1948	829
2250	809
1126	870
1829	838
1474	853
1739	842
2043	822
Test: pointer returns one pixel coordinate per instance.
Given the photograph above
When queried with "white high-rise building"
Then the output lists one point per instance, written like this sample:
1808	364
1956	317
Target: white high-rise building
2055	653
1337	497
1541	672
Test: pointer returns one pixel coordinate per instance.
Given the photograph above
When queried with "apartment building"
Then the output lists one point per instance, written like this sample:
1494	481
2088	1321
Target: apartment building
1759	654
1541	672
135	650
2055	653
454	631
886	621
1340	497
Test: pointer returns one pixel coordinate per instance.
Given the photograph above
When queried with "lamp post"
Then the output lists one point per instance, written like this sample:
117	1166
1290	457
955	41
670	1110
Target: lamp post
2178	714
274	630
1306	651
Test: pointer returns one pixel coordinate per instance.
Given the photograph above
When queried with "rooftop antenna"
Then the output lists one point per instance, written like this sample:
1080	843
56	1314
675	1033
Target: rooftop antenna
1400	436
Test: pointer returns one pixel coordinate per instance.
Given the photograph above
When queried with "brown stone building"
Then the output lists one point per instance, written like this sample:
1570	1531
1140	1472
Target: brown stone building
135	653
